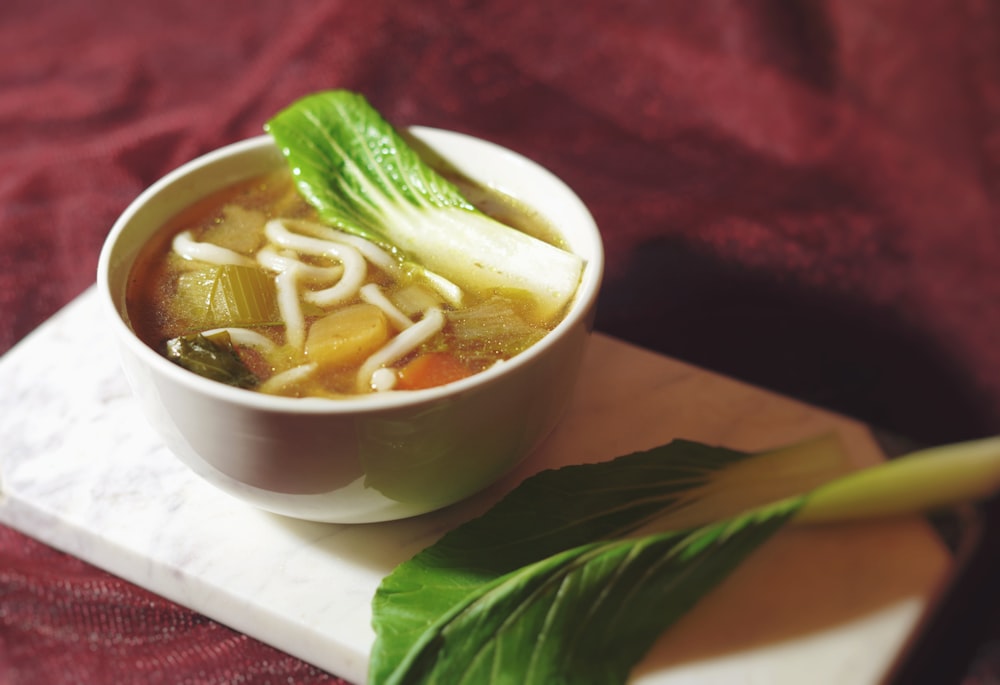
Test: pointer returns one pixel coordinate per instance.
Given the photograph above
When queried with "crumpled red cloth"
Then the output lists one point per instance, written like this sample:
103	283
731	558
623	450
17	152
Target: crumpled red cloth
804	195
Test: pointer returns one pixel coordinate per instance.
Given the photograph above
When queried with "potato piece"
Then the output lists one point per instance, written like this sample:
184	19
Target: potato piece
238	229
347	336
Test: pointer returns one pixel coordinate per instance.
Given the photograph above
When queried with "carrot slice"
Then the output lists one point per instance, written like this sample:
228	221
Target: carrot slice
430	370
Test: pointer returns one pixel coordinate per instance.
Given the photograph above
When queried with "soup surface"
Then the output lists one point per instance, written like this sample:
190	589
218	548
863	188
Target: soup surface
249	288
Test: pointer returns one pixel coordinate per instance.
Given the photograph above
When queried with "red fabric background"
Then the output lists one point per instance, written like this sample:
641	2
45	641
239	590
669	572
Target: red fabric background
804	195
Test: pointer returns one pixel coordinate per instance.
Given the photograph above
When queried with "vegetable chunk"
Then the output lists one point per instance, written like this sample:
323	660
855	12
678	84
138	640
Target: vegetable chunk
430	370
347	336
211	356
229	295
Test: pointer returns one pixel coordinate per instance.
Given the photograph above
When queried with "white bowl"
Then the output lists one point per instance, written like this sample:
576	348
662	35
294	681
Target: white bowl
374	458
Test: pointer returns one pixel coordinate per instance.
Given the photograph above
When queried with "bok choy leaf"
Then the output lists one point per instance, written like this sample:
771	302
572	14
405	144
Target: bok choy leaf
678	485
211	356
363	178
543	588
587	615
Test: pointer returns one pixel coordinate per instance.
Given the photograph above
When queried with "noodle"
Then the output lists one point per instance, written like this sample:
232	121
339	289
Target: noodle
185	246
372	294
355	267
272	261
372	252
295	374
402	345
246	337
287	284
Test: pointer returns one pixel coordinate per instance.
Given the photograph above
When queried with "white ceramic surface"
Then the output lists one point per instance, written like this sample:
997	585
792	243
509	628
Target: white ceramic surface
379	457
81	470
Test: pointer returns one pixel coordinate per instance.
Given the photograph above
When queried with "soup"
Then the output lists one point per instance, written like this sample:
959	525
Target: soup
250	288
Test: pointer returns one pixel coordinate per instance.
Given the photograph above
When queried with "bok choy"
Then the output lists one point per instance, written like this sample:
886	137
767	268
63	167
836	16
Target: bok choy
211	356
365	179
573	575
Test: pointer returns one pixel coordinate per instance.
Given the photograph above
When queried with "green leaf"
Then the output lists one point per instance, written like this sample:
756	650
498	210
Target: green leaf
543	588
586	615
363	178
349	162
212	357
678	486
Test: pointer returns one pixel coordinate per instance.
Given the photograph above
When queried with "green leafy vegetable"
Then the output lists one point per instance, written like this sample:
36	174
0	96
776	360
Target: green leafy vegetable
543	589
586	615
363	178
212	357
678	485
930	479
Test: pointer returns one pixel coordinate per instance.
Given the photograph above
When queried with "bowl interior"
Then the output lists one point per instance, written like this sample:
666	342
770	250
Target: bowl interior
486	163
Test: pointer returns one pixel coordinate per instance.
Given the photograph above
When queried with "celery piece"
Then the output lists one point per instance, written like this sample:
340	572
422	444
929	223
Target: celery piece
246	295
229	295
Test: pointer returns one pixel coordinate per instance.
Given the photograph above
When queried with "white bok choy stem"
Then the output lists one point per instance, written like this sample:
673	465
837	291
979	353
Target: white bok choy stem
365	179
480	254
923	481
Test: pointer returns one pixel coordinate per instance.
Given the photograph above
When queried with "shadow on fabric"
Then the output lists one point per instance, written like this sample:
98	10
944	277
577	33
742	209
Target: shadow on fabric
842	355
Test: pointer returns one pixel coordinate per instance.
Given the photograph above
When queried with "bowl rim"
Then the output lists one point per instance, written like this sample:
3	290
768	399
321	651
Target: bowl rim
580	306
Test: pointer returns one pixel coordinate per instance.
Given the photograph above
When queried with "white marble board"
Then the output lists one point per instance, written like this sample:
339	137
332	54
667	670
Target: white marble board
81	471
